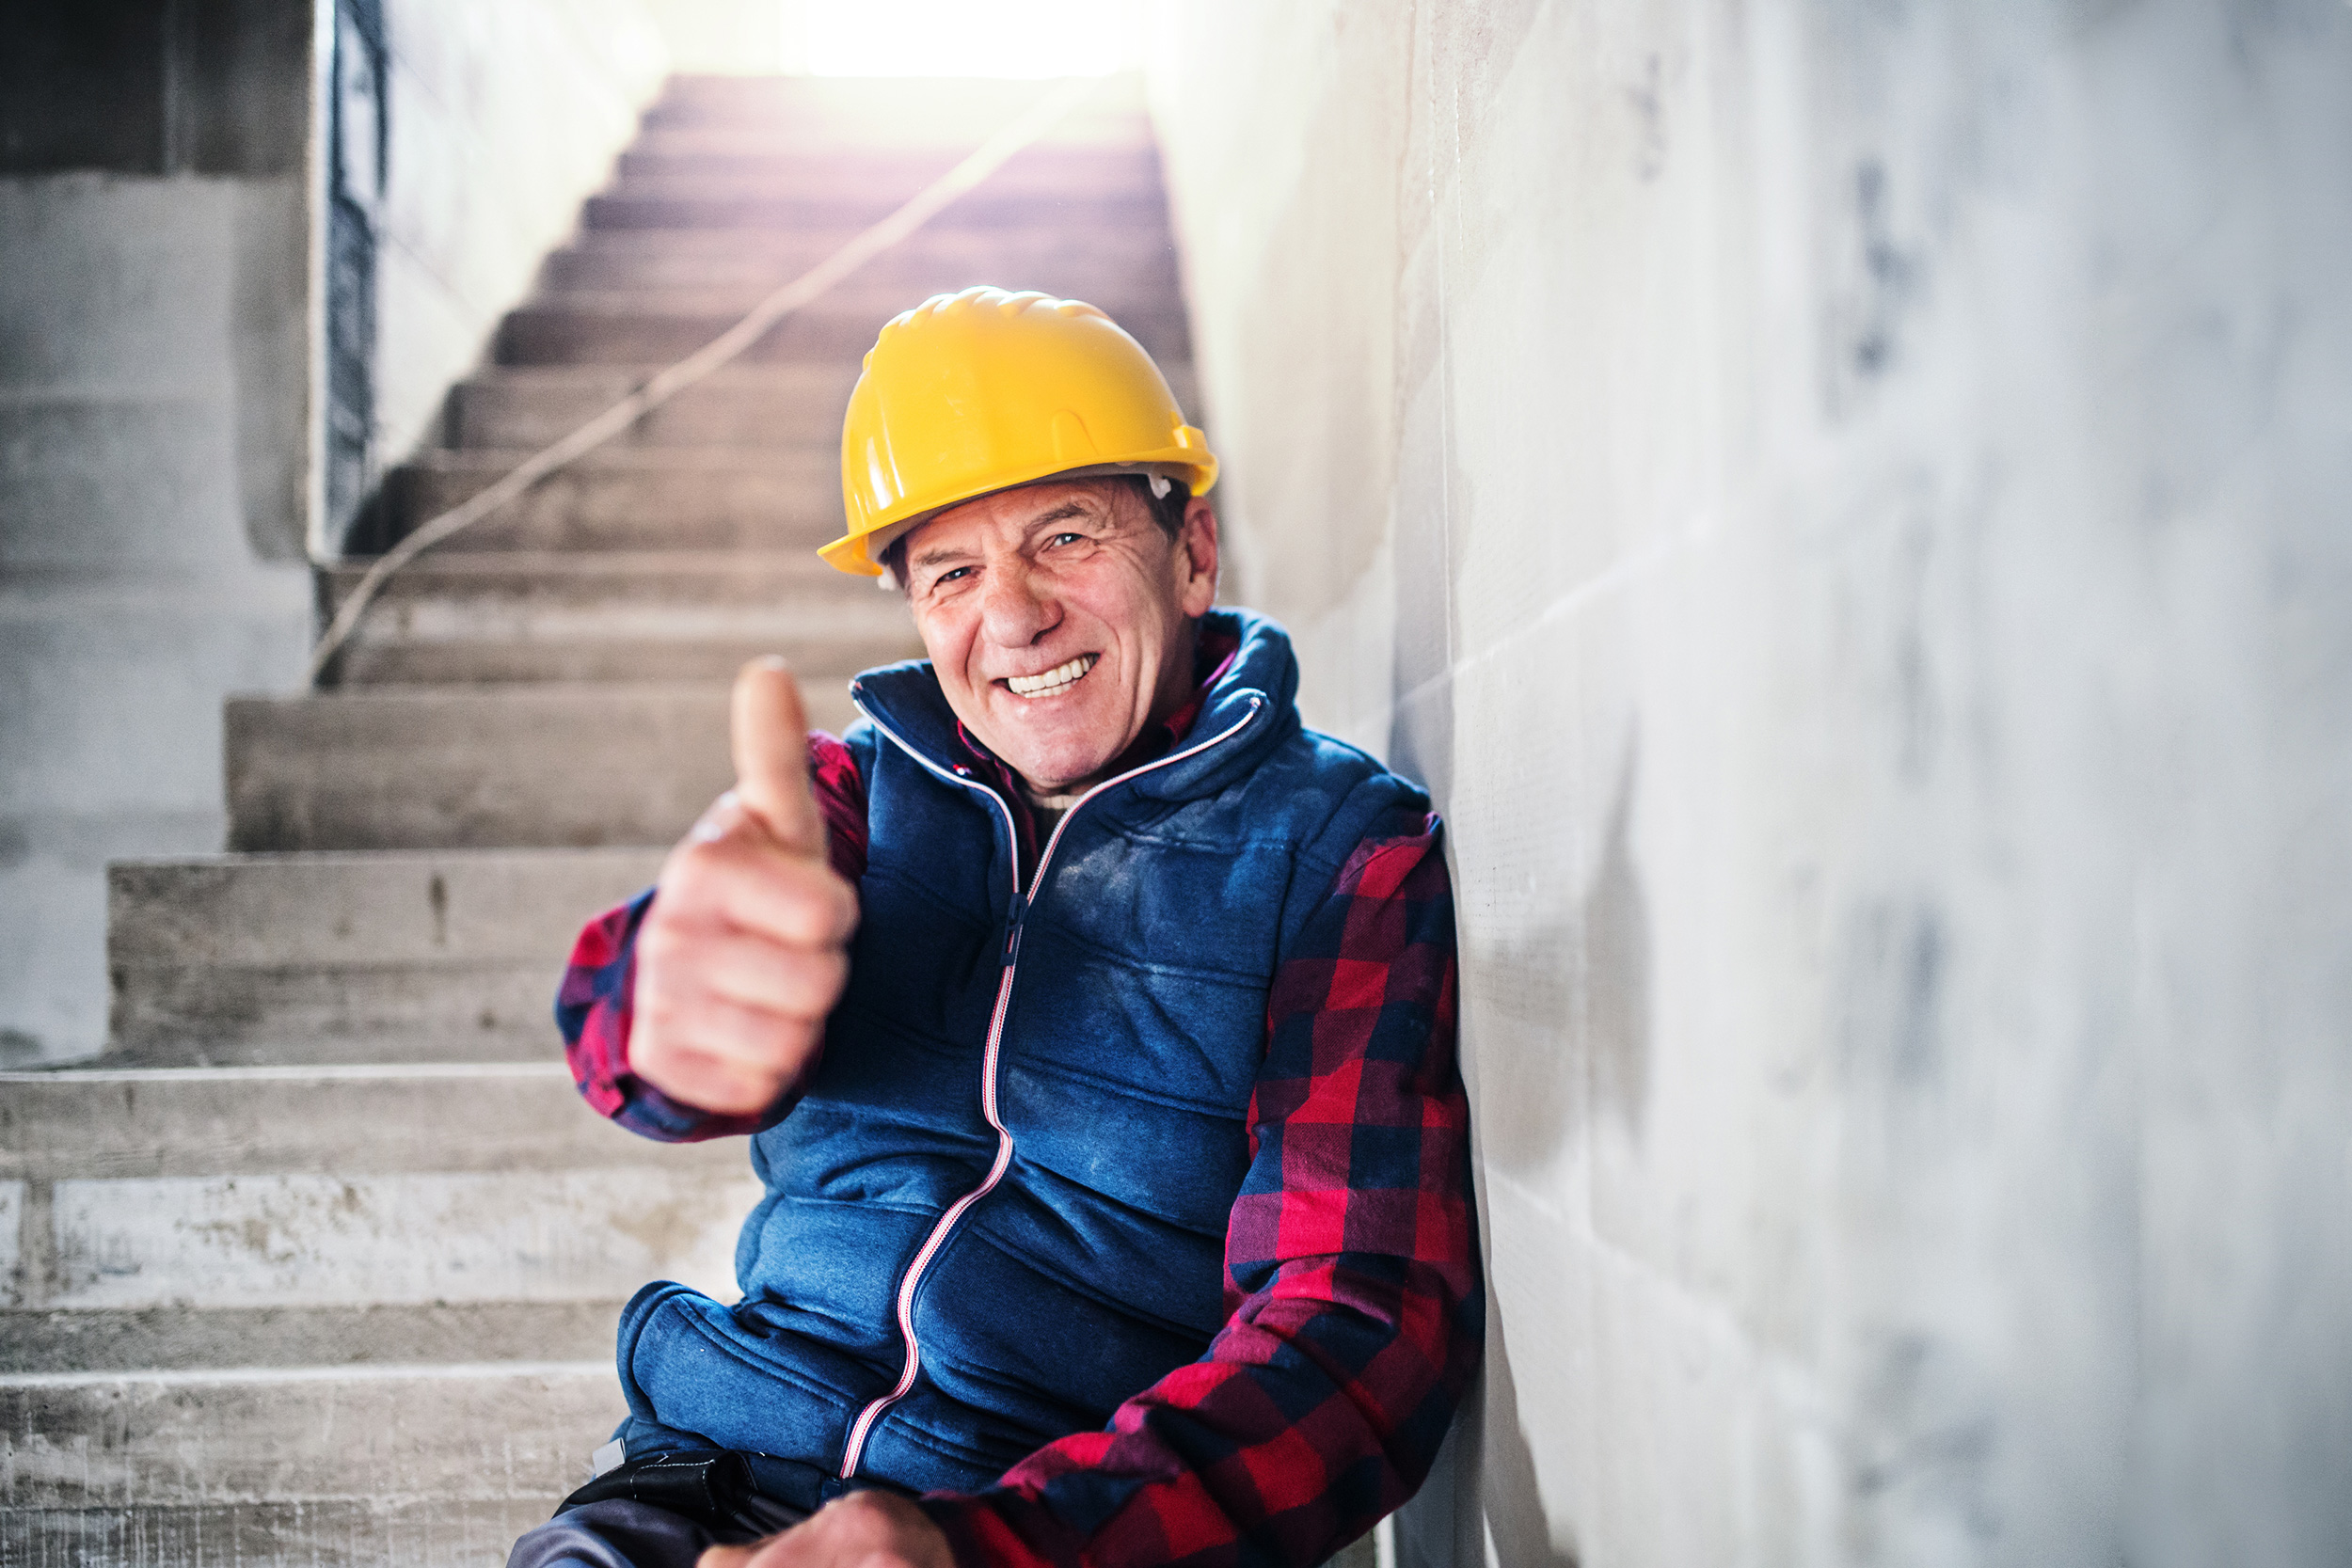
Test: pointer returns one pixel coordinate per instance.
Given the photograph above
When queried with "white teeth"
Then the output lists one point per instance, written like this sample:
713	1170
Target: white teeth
1053	680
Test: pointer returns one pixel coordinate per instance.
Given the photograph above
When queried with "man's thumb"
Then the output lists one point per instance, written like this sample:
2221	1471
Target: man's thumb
770	735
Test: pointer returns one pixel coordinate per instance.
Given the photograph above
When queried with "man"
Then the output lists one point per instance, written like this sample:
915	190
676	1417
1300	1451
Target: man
1092	1020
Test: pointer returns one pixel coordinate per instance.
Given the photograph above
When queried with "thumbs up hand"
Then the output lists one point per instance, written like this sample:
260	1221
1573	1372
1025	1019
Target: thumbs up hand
746	947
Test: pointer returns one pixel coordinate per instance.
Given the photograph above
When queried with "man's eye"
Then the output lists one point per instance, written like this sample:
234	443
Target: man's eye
950	575
1060	538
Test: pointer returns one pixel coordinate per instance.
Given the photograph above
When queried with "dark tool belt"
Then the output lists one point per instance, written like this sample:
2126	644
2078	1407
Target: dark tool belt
711	1486
727	1490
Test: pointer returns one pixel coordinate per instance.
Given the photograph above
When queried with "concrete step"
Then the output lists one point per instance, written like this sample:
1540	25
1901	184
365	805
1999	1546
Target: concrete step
631	616
304	1533
638	329
625	497
1093	265
820	140
941	143
949	111
847	308
390	957
953	111
256	1314
393	1465
423	767
245	1189
775	409
165	1339
381	663
817	193
766	409
725	204
892	174
847	180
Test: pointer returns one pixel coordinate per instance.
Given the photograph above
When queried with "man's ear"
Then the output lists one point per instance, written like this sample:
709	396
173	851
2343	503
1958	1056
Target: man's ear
1198	559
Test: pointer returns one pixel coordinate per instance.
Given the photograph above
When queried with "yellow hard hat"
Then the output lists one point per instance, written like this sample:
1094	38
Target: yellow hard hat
985	390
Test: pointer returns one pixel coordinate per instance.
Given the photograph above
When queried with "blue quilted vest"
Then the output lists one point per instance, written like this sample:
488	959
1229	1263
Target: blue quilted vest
999	1209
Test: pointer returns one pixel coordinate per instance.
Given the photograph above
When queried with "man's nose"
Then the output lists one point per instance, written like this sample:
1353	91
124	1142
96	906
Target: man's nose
1017	606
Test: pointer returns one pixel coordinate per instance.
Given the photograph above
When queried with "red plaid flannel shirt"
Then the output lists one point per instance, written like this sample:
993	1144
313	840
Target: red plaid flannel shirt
1352	1288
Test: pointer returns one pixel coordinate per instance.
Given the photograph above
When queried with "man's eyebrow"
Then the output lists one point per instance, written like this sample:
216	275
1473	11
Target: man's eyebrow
1061	514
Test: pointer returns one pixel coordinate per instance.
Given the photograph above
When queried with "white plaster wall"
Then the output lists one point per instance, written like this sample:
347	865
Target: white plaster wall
1845	504
503	118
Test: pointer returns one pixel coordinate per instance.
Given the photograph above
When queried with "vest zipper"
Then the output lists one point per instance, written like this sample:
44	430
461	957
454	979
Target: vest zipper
1016	918
1015	913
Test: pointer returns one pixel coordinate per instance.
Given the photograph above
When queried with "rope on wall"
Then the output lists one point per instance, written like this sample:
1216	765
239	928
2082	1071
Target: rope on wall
659	388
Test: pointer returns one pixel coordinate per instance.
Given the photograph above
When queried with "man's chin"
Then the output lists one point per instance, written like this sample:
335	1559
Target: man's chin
1057	778
1038	755
1057	770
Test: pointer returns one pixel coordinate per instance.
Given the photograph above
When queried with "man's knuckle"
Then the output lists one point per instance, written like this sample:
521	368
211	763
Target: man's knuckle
848	913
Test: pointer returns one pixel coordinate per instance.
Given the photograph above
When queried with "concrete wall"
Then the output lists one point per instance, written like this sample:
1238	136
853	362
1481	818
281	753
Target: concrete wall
152	393
1846	505
734	36
157	341
502	118
153	450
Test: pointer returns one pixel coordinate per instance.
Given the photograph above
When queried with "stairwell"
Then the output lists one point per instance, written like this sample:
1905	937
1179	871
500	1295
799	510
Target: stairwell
320	1262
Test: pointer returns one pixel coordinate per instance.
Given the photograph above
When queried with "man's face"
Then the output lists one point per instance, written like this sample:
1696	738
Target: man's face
1058	617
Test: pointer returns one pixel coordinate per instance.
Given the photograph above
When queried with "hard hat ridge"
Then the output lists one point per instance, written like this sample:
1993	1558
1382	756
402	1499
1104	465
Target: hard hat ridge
987	388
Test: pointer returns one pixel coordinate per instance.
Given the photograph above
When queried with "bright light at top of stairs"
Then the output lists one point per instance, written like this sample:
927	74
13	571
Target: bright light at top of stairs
972	37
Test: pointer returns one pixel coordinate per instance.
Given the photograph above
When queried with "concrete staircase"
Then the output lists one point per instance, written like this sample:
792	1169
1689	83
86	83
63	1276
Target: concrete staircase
320	1263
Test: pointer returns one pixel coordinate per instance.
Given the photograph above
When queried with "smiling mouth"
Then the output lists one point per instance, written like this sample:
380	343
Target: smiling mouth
1058	679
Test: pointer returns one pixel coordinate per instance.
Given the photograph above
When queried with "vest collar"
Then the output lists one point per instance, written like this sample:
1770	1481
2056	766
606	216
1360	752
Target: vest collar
1248	708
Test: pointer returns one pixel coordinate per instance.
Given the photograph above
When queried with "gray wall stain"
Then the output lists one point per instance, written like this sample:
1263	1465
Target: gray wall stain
1523	1536
1894	983
1924	1458
1612	1012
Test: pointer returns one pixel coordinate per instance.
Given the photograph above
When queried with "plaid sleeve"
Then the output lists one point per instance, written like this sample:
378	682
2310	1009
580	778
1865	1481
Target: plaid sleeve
1356	1307
592	1005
